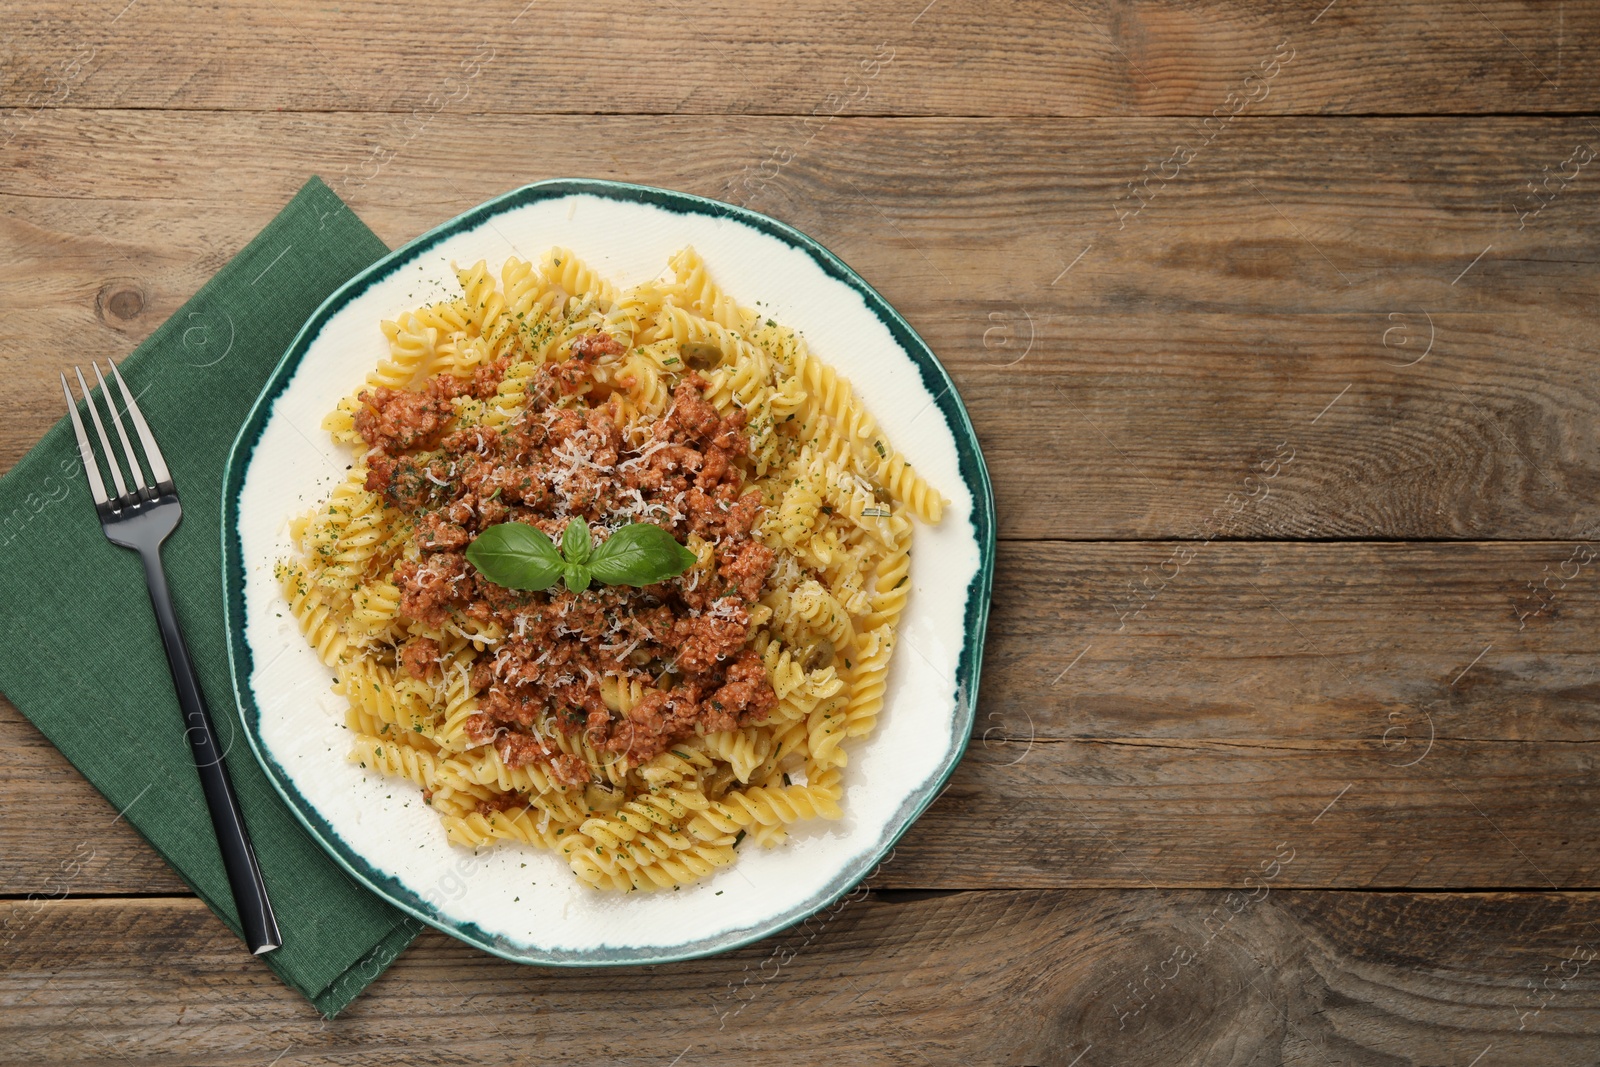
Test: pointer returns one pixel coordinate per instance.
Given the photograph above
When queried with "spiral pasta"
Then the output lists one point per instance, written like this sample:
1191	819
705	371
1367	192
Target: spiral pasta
412	347
318	620
700	294
834	504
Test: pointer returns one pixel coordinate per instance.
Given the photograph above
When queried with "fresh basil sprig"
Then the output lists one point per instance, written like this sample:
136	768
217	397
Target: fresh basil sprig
519	556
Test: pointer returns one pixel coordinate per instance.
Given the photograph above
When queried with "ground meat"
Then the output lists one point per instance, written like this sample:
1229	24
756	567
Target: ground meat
396	419
574	452
519	750
665	470
499	802
745	568
420	657
714	468
705	641
436	533
569	770
509	705
472	439
722	515
481	386
479	730
690	414
429	590
414	484
562	379
380	472
653	724
746	692
486	380
592	346
491	512
729	437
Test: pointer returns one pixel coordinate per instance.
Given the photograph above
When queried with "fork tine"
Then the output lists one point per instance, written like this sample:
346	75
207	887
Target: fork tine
105	442
97	488
122	435
152	451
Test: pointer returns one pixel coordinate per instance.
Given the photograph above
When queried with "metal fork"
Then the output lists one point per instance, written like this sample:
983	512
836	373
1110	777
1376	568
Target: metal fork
141	518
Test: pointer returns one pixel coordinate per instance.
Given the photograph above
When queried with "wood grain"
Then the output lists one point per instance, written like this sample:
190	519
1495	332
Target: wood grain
1385	644
1285	289
994	978
1290	401
1177	744
811	58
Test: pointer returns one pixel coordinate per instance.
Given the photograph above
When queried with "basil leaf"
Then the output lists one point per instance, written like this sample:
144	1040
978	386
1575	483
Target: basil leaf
516	555
577	576
640	554
576	544
519	556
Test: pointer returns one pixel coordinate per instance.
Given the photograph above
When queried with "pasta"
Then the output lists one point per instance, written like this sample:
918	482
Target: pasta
639	731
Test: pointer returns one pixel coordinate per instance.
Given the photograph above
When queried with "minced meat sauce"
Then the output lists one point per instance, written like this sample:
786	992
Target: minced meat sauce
567	456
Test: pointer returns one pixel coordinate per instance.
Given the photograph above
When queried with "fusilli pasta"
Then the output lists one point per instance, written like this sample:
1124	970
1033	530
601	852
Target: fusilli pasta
510	359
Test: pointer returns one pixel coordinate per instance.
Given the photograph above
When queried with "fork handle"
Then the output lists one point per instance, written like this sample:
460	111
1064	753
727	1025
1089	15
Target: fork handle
238	856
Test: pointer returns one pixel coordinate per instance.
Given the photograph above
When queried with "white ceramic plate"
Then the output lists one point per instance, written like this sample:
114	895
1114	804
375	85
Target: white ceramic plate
520	902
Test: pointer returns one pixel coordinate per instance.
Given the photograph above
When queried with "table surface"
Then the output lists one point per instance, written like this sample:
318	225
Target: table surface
1276	323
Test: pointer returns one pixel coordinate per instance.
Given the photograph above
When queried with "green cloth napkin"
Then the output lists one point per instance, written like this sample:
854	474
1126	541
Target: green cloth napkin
79	651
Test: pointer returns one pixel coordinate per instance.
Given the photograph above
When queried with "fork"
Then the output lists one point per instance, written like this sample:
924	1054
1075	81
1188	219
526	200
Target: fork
141	518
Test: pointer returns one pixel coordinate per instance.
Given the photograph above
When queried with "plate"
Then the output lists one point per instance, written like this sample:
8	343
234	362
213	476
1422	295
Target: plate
519	902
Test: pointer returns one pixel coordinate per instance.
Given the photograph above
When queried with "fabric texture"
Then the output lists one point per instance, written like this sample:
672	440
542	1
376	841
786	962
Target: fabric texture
80	654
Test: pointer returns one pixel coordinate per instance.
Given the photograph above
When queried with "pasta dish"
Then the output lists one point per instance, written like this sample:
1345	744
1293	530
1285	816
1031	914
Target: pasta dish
614	573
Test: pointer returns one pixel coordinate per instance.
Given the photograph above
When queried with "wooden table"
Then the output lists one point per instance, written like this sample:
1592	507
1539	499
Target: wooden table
1276	321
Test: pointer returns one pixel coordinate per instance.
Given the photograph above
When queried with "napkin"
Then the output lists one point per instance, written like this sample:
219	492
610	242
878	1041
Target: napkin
80	654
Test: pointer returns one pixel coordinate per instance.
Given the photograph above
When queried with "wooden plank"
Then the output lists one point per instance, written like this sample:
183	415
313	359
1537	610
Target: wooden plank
811	58
1389	684
1280	295
1093	978
1207	813
1405	714
1384	645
